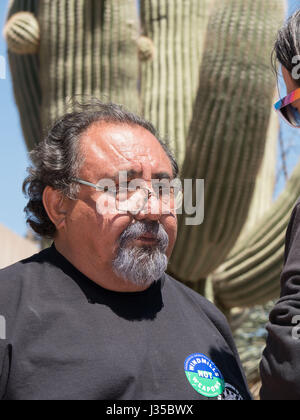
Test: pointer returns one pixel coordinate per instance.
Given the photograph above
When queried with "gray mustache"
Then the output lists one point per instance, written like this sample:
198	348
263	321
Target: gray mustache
140	228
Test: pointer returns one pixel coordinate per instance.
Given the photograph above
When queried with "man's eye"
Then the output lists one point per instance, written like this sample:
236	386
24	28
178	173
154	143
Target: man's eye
109	190
165	190
133	188
128	187
122	187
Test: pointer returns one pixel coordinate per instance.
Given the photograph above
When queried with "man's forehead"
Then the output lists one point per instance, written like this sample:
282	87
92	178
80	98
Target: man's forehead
114	148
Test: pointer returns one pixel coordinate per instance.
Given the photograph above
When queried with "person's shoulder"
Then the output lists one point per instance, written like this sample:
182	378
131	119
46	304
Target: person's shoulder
181	288
20	284
16	274
293	229
196	299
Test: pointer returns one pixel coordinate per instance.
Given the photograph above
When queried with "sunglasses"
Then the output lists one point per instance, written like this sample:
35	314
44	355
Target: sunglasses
289	108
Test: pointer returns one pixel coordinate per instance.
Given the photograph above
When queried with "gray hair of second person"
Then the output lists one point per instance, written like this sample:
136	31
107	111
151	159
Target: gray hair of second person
57	159
287	45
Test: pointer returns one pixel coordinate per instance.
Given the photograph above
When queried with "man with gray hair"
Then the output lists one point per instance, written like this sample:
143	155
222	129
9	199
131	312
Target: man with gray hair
95	316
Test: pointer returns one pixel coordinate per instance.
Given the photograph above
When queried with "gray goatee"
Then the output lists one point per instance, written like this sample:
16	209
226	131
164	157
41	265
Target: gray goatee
142	265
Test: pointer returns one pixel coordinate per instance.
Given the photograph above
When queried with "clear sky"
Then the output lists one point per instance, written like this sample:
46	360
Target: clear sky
13	154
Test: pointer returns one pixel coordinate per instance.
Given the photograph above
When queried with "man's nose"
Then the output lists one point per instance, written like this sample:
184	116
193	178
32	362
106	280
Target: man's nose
152	209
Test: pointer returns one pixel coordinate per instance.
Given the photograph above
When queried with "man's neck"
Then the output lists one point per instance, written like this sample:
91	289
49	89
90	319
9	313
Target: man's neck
101	274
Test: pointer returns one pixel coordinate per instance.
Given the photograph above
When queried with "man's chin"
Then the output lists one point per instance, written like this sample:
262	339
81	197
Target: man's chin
141	265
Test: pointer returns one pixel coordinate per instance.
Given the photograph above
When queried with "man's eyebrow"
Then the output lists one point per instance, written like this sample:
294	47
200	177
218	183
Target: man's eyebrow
162	175
131	173
159	175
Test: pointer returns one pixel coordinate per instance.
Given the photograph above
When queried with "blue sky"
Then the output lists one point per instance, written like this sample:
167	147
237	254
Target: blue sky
14	158
13	154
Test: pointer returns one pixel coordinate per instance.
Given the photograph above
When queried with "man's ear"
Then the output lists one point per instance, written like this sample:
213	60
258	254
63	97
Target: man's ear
55	204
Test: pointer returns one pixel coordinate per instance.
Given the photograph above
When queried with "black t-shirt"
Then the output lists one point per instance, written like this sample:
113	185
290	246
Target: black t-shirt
280	365
66	338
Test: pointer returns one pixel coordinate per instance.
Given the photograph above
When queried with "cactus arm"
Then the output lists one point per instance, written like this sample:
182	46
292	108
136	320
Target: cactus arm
25	76
265	182
93	51
251	274
22	33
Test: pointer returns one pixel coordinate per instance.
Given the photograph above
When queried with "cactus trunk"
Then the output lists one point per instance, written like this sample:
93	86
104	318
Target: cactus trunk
88	48
251	273
25	75
227	135
169	81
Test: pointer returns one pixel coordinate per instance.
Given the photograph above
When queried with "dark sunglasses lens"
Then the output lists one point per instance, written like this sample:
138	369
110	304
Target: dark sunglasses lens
291	113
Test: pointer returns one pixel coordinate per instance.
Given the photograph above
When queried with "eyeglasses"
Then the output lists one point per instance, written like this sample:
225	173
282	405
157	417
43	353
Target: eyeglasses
289	108
133	197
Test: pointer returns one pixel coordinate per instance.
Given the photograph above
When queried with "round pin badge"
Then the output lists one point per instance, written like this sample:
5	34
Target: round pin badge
203	375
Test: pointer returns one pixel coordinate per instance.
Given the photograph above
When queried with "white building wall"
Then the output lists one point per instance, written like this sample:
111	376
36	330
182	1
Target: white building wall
14	248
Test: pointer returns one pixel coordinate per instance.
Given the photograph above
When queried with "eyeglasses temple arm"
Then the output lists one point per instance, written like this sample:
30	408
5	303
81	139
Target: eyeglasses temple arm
89	184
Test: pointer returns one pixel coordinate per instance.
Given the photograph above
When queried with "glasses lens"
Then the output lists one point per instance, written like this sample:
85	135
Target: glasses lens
134	201
171	199
178	200
291	113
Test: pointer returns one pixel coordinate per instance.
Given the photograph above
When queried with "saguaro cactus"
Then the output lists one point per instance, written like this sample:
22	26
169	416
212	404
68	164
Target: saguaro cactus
170	81
250	275
266	179
89	49
198	69
24	69
226	138
86	47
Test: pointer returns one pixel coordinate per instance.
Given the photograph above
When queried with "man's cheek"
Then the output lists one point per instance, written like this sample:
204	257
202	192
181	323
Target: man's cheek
170	226
106	205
